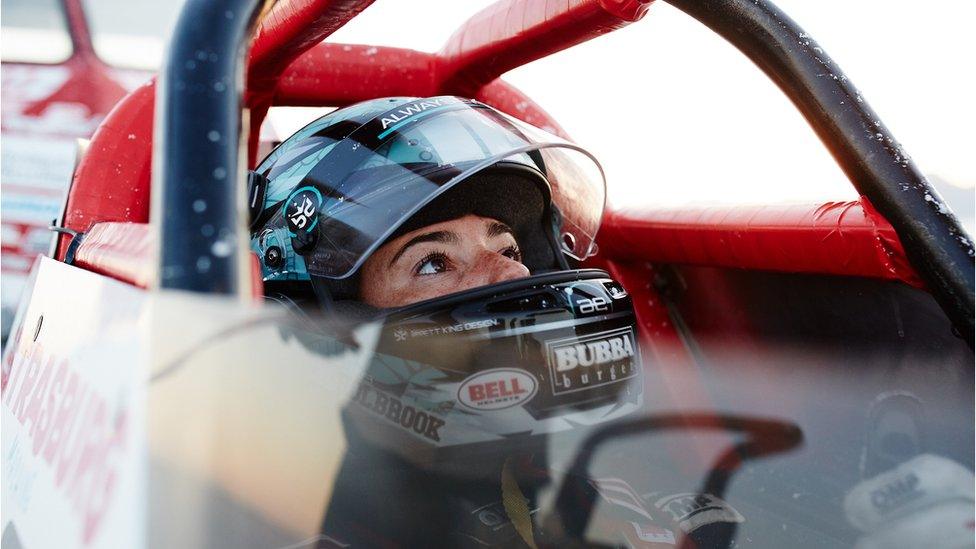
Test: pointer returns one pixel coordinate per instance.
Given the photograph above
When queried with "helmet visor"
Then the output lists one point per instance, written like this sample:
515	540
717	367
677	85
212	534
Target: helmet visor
341	201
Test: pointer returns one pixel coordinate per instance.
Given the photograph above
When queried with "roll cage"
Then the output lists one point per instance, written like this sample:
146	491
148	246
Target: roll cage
212	77
189	150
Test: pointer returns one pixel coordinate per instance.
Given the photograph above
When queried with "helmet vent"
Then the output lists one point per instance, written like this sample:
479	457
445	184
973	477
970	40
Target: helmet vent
569	242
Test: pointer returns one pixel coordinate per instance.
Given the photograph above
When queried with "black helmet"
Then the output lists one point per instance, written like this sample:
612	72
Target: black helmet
471	373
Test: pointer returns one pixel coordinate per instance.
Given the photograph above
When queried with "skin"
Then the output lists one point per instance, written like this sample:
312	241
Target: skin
441	259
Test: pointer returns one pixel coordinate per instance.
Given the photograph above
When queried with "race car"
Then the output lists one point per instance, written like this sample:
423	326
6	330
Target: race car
769	376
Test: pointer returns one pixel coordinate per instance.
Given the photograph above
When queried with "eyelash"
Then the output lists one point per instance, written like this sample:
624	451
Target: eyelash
516	256
516	252
427	258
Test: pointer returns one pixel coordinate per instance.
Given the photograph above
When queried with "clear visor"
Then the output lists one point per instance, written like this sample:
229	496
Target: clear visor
340	202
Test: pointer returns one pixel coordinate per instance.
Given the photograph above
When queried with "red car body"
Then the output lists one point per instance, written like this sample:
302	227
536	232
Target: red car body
810	313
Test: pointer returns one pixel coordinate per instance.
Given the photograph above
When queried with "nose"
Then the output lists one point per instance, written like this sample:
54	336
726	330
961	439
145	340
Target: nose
491	267
508	269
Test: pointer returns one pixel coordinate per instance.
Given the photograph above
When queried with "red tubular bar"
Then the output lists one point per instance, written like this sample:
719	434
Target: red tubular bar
843	238
356	73
507	34
508	98
341	74
291	28
119	250
511	33
111	182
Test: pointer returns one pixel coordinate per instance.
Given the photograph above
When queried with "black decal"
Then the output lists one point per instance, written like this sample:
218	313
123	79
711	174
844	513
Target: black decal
407	418
420	424
379	405
393	413
432	428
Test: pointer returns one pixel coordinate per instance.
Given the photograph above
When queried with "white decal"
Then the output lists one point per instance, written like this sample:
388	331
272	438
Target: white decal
597	304
409	110
304	212
591	361
692	511
497	389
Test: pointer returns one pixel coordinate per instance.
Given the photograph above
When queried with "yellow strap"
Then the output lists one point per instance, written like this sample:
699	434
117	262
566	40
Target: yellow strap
516	505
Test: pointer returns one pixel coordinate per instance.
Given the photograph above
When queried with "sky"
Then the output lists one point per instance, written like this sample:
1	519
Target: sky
677	115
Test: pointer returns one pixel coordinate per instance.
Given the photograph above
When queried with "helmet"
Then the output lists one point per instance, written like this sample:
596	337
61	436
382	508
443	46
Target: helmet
475	373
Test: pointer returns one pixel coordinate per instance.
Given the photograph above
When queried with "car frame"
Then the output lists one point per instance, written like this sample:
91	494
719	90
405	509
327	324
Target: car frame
704	280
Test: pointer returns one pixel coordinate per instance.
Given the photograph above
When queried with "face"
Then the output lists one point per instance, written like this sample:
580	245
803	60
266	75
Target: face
441	259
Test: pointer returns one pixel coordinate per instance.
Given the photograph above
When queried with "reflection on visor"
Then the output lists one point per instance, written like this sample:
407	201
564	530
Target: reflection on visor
354	194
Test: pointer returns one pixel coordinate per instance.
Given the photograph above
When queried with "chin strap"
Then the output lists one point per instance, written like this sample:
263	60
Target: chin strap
516	505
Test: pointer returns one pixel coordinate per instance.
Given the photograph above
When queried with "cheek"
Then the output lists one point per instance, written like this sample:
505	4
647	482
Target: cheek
385	288
420	290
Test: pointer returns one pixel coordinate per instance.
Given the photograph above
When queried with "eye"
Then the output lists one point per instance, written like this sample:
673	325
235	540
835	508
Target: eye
513	253
432	263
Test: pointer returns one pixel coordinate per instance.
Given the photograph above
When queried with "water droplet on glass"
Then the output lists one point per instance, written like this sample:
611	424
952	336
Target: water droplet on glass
221	248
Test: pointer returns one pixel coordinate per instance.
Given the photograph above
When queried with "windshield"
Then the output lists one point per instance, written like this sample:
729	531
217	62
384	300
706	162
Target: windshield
809	433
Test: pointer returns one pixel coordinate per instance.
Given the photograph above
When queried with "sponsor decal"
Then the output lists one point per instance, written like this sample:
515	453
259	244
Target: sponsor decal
497	389
394	411
402	334
578	363
301	209
615	290
619	492
586	306
409	110
896	493
651	533
68	427
692	511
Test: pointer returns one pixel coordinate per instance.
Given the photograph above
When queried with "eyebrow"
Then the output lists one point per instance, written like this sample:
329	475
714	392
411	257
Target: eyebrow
497	228
436	236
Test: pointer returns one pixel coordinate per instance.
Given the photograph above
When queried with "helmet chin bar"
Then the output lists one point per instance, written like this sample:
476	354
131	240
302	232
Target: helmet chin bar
459	383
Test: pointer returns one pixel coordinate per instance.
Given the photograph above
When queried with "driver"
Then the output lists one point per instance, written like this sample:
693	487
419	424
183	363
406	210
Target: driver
460	230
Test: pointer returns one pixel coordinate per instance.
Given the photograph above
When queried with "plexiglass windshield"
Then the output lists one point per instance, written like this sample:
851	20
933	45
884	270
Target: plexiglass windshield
831	412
